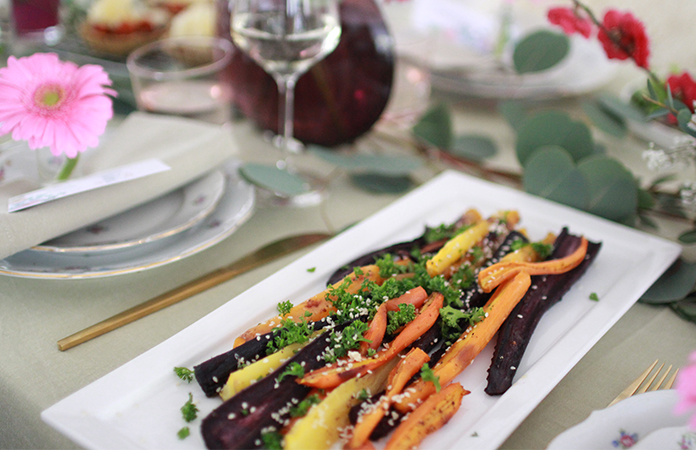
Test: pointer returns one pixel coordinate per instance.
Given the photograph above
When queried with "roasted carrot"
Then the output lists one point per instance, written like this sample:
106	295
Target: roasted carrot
429	417
416	297
375	334
319	305
398	377
456	248
493	276
462	353
378	325
331	376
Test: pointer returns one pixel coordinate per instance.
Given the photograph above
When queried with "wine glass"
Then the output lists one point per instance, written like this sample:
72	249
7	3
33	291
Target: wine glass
286	38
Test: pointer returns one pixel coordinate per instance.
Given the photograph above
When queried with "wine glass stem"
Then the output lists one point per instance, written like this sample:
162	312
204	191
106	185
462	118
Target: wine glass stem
286	112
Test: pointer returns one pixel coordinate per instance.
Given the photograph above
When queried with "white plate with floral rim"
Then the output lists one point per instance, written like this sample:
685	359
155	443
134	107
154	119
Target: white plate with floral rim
233	209
138	404
158	219
627	424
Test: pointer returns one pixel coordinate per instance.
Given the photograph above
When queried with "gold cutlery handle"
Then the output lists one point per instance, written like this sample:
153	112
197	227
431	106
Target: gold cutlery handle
257	258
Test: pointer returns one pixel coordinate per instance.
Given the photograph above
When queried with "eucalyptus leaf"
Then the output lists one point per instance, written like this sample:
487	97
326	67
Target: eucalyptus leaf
554	128
435	126
686	309
670	99
551	173
657	114
392	165
664	179
273	179
605	120
380	183
646	221
688	237
673	285
645	199
514	112
620	108
539	51
613	190
474	147
651	90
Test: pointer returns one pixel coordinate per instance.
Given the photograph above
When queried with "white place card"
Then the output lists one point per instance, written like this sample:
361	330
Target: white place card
94	181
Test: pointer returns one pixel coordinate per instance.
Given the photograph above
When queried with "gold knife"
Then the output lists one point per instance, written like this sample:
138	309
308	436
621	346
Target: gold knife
263	255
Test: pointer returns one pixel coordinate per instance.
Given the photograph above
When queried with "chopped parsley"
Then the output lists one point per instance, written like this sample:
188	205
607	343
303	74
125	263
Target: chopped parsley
343	342
476	254
272	440
363	394
455	321
541	249
311	269
285	307
290	332
294	369
388	266
594	297
302	408
427	374
183	433
189	410
397	319
184	373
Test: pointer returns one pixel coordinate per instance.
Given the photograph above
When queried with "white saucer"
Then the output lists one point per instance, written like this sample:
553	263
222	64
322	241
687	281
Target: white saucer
624	424
234	208
161	218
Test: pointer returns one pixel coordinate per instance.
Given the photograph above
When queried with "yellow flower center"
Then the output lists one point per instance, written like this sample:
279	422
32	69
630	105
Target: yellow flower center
49	96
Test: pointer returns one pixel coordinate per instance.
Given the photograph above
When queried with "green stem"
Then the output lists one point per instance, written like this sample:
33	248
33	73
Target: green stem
68	168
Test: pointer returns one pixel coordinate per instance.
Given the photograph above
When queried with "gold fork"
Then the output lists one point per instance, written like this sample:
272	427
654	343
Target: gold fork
640	385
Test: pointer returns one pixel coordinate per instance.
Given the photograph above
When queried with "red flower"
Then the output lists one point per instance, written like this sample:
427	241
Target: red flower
570	21
623	36
683	88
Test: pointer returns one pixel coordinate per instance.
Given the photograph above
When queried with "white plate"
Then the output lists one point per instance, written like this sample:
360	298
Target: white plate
161	218
233	209
585	69
643	421
137	405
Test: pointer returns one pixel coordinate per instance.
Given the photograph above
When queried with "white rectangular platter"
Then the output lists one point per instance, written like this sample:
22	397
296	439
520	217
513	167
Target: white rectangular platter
137	405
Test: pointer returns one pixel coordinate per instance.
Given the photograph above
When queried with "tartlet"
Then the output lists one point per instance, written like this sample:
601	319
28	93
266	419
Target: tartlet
117	27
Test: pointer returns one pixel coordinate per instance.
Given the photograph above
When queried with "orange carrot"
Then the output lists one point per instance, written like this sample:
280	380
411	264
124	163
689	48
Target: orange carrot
331	376
429	417
398	377
493	276
319	305
378	326
375	334
416	296
462	353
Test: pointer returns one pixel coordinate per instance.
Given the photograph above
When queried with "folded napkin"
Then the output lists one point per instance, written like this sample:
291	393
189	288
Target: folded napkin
191	148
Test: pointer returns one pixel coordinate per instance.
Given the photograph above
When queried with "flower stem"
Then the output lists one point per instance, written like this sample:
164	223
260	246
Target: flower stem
68	168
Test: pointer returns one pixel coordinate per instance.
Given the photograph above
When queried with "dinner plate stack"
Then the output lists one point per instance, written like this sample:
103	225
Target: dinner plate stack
166	229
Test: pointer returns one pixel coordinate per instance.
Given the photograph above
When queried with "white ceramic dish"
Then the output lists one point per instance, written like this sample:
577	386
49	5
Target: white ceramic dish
161	218
585	69
644	421
137	405
233	209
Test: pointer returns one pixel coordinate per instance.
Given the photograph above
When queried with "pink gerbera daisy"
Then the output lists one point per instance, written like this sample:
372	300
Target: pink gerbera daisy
686	388
54	104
